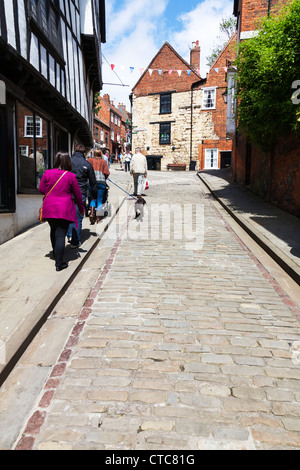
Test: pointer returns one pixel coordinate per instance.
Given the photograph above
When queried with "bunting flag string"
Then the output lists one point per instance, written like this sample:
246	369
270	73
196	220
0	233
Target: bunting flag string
161	71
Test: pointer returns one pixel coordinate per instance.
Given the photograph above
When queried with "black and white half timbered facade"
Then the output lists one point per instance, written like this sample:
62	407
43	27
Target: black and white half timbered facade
50	70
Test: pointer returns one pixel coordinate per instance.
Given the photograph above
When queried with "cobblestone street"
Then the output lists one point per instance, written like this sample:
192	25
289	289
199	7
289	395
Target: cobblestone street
185	342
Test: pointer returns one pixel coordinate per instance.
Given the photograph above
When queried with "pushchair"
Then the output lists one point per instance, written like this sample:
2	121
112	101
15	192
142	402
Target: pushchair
93	214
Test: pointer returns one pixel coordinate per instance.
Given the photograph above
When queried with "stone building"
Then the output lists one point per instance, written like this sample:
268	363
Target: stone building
179	119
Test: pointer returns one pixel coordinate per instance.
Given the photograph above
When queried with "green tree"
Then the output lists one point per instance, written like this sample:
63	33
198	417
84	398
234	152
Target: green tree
267	66
227	27
97	106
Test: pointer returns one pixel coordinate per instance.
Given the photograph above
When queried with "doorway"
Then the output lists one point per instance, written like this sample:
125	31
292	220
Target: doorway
225	159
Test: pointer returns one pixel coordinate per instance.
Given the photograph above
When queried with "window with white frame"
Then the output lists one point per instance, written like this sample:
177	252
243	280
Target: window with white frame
209	98
23	150
29	127
33	148
211	158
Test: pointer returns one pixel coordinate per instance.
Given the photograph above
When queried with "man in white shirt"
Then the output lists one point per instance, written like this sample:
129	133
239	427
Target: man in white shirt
138	168
127	160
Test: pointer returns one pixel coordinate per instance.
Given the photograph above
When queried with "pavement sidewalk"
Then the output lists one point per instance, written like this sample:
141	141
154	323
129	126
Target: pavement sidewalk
30	286
276	231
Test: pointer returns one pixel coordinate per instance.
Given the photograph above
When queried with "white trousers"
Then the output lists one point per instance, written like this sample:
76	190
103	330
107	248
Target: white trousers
138	180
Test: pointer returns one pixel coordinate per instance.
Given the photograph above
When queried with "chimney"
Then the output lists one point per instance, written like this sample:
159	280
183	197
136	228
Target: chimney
195	56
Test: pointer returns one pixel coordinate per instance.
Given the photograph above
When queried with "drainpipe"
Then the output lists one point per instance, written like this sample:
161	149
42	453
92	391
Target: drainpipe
191	143
192	165
130	98
269	7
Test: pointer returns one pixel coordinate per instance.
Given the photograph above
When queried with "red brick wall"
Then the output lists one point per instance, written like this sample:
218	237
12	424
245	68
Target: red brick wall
286	175
195	56
106	108
276	176
251	11
166	59
217	77
104	113
273	176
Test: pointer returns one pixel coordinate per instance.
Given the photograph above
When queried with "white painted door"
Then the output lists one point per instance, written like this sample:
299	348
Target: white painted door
211	158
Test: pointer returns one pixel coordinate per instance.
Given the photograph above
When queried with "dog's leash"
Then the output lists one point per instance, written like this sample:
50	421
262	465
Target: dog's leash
122	189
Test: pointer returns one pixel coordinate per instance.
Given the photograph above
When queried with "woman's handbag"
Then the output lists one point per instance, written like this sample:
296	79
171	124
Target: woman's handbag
40	217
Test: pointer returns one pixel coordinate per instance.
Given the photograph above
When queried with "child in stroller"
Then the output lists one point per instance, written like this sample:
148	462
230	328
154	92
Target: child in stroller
94	214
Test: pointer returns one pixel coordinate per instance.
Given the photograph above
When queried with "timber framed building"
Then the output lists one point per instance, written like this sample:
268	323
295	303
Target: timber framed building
50	69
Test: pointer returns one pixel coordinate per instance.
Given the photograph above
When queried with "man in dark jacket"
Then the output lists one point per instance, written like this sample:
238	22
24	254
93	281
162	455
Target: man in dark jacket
85	176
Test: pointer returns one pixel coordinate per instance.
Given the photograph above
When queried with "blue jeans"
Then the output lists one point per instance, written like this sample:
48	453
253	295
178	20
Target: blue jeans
73	232
100	194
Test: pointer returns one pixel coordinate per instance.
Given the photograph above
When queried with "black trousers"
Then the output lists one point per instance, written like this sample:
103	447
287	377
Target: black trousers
58	231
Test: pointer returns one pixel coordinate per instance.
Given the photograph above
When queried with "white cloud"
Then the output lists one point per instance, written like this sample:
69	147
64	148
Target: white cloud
136	32
131	41
135	12
201	24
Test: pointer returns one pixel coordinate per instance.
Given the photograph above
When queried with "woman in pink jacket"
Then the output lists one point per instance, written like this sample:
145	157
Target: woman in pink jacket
59	206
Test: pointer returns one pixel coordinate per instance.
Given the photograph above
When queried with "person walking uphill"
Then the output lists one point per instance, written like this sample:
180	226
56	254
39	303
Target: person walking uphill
138	168
85	175
62	191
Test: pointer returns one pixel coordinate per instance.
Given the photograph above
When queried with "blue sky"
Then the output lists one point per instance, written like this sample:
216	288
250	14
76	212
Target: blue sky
136	29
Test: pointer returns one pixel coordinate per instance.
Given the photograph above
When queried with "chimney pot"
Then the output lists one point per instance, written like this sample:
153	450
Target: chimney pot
195	56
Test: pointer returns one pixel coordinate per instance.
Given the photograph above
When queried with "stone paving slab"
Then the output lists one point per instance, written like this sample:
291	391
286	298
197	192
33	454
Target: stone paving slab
277	231
181	344
29	285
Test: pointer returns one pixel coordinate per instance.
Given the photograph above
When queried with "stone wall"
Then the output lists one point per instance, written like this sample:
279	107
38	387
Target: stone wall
146	116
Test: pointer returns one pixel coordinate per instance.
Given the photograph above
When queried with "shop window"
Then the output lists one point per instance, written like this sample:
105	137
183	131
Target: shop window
33	137
6	157
29	126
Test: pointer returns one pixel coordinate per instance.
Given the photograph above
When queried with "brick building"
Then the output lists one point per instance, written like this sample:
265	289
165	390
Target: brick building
179	118
217	152
250	12
126	125
102	124
110	126
272	175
